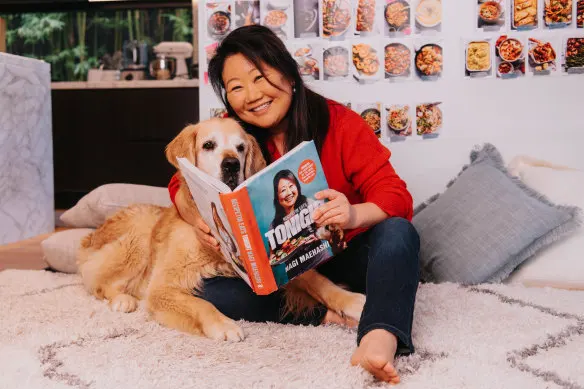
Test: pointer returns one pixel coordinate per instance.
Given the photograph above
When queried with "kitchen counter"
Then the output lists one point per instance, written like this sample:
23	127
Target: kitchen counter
126	84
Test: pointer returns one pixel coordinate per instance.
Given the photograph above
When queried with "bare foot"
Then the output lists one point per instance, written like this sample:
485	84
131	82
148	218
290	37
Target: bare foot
376	353
335	318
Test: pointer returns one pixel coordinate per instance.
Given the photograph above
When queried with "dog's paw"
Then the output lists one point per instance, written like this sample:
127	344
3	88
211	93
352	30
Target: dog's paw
353	306
124	303
226	329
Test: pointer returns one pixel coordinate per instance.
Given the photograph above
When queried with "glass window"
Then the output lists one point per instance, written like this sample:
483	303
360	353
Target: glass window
75	42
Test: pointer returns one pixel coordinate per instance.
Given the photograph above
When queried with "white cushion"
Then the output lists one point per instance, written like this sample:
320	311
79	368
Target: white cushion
93	208
560	265
60	249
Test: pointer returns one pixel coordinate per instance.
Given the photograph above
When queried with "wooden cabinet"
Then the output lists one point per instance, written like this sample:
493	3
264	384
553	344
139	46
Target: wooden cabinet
116	135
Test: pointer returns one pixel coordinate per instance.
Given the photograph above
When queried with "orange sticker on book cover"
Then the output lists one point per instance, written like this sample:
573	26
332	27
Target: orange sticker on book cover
307	171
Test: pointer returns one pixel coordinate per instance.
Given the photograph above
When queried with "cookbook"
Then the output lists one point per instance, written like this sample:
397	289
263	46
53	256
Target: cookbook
264	226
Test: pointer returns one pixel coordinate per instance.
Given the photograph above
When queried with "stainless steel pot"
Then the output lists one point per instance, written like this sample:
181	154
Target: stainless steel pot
163	68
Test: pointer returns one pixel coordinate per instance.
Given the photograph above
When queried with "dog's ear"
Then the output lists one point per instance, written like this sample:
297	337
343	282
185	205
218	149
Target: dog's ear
183	146
254	160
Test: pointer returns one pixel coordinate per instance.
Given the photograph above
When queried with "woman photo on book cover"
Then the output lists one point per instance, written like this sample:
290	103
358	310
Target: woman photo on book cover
260	85
288	201
226	238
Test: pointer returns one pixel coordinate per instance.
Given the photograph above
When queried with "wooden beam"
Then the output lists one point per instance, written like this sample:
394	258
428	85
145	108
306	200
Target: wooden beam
2	35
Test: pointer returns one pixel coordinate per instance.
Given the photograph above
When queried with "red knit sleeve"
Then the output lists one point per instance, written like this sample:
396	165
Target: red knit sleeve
367	166
173	187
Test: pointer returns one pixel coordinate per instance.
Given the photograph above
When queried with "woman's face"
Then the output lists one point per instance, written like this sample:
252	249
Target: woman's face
287	193
255	100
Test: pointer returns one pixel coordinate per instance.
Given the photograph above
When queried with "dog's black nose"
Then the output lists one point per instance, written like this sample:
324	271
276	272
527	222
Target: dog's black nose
230	165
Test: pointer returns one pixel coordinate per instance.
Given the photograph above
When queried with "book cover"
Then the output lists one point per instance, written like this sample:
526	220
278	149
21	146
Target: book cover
265	226
282	198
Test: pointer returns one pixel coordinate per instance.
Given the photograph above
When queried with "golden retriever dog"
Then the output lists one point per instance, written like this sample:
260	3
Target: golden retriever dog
147	252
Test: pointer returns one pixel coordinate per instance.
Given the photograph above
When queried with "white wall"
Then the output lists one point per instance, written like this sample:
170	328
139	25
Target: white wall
538	116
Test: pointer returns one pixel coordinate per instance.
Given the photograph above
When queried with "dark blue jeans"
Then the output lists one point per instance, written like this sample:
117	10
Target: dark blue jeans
382	263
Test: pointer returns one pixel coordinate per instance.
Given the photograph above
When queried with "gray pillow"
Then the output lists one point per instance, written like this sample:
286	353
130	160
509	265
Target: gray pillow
486	223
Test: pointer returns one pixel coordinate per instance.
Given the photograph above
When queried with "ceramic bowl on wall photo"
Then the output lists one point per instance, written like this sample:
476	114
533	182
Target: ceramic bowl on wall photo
218	20
336	16
398	120
397	61
490	15
397	18
428	16
429	61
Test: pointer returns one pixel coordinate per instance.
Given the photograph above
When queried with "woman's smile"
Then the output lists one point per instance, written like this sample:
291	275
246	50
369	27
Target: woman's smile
261	109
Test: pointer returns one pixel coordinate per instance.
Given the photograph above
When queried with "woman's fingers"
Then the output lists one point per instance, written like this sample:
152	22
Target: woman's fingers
330	194
201	225
333	218
204	234
323	209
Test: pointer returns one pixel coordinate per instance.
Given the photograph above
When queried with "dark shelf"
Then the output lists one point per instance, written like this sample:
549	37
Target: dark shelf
103	136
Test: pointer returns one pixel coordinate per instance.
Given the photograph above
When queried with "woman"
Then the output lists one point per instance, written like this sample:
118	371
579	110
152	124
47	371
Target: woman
289	200
260	85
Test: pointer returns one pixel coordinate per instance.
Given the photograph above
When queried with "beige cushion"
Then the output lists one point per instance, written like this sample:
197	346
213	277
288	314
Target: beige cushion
93	208
562	264
60	249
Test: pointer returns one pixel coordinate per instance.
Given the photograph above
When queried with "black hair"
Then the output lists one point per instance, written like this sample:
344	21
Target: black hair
280	213
308	115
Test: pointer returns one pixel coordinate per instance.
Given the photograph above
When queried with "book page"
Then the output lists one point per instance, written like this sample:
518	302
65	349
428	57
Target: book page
207	197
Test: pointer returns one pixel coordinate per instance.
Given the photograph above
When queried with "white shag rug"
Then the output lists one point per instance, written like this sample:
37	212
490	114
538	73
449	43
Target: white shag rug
54	335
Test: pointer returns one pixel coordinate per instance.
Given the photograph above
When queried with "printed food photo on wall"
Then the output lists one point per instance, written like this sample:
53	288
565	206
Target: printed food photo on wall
366	62
306	18
573	55
246	13
278	16
428	60
580	14
398	120
490	15
335	60
524	14
557	13
397	18
371	113
398	61
336	19
429	120
428	16
478	59
307	56
218	20
542	55
367	17
218	112
510	57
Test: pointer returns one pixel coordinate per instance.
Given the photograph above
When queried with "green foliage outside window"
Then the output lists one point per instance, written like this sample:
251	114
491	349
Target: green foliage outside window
74	42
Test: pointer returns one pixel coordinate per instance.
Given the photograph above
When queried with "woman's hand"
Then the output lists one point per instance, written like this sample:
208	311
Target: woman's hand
204	234
337	210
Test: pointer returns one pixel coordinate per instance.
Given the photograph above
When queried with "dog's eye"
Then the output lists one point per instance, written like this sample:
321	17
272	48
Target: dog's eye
209	145
240	148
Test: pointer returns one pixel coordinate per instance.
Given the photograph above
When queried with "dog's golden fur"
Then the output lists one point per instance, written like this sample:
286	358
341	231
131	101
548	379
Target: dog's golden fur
146	252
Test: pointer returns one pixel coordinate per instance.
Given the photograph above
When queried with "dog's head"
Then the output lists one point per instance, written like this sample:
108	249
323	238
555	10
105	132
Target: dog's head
219	147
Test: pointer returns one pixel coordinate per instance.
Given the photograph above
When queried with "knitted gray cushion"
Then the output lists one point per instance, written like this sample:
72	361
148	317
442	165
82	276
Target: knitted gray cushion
486	223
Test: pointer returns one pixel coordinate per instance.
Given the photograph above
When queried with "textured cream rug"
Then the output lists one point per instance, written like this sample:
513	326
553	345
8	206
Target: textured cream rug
53	335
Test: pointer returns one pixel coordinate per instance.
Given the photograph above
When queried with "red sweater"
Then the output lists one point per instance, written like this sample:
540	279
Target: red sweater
356	164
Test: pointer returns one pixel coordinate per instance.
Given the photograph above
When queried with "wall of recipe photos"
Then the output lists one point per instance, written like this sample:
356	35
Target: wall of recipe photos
387	59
